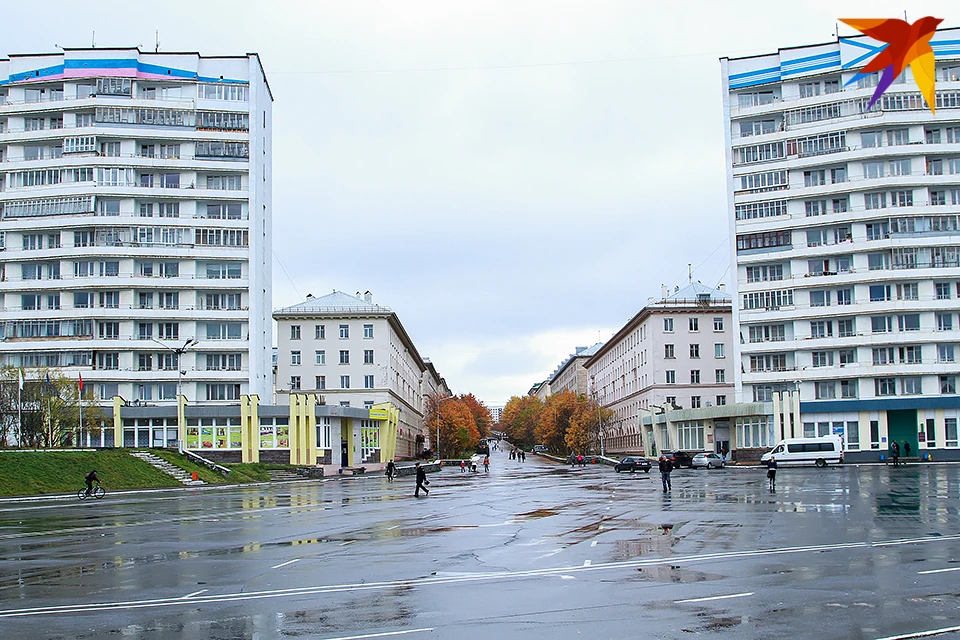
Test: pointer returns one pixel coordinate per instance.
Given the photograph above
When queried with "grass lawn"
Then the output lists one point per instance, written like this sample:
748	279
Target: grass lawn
24	473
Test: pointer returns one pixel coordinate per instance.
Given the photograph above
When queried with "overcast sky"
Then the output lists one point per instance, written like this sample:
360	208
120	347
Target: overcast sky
513	178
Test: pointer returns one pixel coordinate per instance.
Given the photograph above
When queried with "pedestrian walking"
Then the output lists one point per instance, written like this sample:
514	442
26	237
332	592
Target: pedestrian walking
666	466
772	473
580	459
486	464
421	481
391	471
895	453
523	455
463	466
906	449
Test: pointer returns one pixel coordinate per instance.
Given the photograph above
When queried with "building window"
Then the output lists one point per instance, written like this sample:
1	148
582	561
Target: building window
822	358
145	362
885	386
344	332
668	352
821	329
672	400
668	325
944	322
826	390
909	322
694	376
694	402
295	332
294	383
695	351
721	401
344	356
943	290
225	391
344	382
911	385
718	324
368	331
368	382
948	385
721	376
320	331
321	382
321	357
849	388
719	350
671	377
295	358
881	324
368	356
694	324
950	428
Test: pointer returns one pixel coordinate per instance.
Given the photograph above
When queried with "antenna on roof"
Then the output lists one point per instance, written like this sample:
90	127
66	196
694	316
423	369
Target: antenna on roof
690	272
93	39
156	48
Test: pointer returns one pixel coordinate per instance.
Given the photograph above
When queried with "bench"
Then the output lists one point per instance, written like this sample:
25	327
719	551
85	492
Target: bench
352	471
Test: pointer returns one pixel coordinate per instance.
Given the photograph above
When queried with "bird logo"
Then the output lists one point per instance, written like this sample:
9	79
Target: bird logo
906	44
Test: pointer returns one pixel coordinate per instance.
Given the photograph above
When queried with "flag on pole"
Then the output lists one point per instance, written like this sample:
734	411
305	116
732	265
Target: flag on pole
80	383
20	373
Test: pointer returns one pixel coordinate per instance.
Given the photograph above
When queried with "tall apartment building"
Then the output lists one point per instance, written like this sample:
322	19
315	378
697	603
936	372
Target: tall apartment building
673	351
136	207
847	241
355	353
571	375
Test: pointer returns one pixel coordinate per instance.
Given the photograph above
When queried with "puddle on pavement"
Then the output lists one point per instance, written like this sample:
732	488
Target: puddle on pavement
715	623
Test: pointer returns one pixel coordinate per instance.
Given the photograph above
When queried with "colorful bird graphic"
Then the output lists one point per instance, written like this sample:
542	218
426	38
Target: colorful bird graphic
906	44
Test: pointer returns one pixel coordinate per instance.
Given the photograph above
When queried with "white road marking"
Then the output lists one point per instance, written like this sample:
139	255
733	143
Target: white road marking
924	573
594	543
733	595
587	563
343	544
396	526
922	634
283	564
564	572
382	635
195	593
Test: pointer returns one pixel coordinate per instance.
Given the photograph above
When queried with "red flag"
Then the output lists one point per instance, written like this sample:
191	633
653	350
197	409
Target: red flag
80	382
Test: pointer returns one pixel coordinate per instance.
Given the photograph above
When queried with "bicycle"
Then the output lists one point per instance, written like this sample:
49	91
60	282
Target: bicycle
98	492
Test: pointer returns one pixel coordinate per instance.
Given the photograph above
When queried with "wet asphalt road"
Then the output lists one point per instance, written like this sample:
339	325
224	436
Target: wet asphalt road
533	550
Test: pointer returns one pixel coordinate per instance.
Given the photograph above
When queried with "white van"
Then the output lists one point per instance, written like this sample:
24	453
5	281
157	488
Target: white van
798	451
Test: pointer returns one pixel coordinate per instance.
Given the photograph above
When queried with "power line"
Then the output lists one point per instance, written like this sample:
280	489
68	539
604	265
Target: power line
494	67
280	262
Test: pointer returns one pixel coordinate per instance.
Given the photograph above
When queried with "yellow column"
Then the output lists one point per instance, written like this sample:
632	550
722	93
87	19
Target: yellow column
250	428
303	425
117	422
182	420
310	429
389	418
346	433
294	421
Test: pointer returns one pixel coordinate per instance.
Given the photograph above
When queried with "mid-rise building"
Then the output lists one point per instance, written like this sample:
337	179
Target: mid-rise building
571	375
135	191
847	239
353	353
675	351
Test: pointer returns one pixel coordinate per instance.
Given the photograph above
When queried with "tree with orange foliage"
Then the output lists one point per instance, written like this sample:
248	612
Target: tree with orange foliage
481	415
584	430
555	418
520	418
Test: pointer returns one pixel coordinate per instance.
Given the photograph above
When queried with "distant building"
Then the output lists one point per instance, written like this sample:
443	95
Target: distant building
540	389
571	375
673	352
353	353
496	413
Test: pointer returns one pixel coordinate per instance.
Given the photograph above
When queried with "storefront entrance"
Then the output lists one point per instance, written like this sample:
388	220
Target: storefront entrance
902	427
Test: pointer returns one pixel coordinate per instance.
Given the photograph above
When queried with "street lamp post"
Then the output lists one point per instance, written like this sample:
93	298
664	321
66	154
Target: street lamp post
179	352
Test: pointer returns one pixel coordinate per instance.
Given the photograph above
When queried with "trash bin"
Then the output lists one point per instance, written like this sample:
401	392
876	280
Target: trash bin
194	476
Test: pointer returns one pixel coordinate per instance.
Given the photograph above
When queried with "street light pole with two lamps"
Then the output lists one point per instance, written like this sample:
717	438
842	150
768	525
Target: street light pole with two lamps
179	353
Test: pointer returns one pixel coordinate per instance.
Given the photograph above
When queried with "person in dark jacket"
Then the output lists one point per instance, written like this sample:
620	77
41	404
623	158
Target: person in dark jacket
666	466
906	449
90	478
895	453
772	472
391	471
421	481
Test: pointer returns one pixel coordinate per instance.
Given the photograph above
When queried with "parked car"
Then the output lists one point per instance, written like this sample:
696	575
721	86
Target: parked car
708	461
679	458
631	464
539	448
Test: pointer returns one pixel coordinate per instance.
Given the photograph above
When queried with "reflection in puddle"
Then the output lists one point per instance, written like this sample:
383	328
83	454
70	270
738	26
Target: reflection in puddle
537	513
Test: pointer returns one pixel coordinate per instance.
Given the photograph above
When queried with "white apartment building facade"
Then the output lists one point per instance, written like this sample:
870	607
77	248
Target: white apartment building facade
847	243
676	351
136	216
353	353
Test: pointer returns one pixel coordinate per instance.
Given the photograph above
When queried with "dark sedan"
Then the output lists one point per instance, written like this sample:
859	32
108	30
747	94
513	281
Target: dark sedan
631	464
679	458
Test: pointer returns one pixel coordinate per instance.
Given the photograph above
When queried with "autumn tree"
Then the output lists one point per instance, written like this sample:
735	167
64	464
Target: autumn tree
481	415
555	418
583	434
458	430
519	420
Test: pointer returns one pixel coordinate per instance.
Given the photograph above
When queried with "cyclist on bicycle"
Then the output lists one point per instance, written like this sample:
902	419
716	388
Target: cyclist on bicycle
90	478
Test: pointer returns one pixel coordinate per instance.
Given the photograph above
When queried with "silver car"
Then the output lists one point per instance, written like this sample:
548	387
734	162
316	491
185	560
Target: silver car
708	461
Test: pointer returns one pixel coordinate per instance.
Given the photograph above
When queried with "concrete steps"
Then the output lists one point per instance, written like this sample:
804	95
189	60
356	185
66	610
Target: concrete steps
171	470
282	475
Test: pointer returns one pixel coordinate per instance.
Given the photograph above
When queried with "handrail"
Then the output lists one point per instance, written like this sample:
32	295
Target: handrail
207	463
